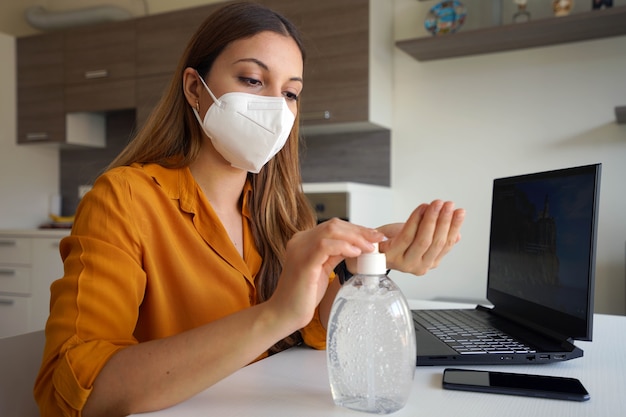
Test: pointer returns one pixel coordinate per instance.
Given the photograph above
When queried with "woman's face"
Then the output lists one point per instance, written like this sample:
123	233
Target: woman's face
267	64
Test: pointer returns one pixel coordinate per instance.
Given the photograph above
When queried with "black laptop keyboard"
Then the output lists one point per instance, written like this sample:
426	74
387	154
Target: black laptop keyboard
466	334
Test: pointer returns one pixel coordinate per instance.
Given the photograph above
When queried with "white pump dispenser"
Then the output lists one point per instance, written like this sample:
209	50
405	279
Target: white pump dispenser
371	266
371	341
372	263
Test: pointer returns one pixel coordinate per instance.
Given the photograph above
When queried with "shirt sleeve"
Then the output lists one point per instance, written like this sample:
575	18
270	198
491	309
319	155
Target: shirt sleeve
314	334
94	307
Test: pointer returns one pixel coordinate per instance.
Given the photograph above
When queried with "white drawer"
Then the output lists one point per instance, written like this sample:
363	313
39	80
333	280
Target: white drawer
15	279
16	250
14	315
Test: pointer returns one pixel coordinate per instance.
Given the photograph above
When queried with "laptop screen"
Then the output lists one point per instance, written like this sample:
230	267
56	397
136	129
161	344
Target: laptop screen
542	248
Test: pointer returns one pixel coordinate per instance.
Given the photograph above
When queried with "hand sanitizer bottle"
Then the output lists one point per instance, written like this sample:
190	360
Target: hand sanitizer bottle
371	341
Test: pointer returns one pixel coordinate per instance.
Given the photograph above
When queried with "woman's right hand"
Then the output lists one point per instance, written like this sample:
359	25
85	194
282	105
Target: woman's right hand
310	258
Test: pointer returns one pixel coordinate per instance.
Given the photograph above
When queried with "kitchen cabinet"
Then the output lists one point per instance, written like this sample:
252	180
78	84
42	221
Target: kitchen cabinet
41	116
41	108
29	263
99	63
162	38
161	41
150	88
82	72
576	27
348	72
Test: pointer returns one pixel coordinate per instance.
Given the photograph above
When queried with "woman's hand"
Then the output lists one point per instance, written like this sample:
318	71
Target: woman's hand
310	259
427	236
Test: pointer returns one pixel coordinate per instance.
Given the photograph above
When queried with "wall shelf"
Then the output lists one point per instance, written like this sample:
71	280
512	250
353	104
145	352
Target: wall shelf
583	26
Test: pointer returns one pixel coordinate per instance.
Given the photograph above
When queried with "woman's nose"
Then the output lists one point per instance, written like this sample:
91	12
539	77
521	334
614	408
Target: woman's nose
273	92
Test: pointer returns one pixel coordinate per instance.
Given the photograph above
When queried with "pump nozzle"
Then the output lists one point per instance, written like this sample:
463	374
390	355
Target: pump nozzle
372	263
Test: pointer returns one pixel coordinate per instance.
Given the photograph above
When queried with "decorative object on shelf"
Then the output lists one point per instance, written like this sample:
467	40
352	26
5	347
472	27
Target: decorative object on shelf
575	28
521	15
445	17
599	4
562	7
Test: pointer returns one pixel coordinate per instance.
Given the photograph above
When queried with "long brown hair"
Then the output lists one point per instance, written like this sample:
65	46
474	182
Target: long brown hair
172	137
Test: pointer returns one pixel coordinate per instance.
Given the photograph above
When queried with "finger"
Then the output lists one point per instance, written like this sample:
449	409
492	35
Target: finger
391	230
440	236
321	250
402	235
360	236
334	238
455	227
454	235
423	239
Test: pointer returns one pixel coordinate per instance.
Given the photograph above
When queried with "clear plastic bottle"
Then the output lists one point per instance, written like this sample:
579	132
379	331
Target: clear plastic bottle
371	341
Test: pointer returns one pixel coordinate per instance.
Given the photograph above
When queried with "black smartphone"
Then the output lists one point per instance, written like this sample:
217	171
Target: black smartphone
515	384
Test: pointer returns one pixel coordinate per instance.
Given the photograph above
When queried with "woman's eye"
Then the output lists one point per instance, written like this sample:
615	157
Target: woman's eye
250	81
253	82
290	96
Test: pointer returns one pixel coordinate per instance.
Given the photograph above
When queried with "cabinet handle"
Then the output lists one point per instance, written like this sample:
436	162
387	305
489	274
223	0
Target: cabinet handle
315	115
101	73
36	136
8	243
6	302
7	272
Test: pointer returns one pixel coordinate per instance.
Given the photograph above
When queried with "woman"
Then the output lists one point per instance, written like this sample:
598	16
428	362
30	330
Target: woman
196	252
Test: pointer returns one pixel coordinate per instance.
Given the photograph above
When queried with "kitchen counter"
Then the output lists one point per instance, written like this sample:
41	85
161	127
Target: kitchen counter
50	233
341	187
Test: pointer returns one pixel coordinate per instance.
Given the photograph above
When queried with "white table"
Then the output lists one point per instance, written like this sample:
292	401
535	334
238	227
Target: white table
294	383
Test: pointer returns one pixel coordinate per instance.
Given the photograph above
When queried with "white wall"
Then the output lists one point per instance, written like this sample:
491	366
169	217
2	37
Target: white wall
28	174
460	123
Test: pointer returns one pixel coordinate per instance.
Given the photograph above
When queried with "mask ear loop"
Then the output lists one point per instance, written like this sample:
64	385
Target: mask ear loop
215	100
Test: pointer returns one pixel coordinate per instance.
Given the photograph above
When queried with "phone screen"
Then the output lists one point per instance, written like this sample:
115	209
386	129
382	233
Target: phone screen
515	384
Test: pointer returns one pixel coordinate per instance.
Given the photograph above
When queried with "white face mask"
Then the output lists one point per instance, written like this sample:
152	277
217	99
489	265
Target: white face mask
247	129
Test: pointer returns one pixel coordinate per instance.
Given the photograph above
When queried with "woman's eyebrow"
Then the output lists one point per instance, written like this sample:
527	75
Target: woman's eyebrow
253	60
265	67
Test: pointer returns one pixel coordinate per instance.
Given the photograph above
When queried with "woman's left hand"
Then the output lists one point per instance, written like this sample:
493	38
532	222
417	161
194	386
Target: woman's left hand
428	235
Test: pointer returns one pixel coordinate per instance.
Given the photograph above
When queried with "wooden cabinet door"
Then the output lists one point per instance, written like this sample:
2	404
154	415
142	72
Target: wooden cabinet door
40	110
100	67
161	41
149	92
336	77
162	38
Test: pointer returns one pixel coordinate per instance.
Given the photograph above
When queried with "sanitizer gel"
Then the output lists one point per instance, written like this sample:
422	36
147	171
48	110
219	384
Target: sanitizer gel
371	341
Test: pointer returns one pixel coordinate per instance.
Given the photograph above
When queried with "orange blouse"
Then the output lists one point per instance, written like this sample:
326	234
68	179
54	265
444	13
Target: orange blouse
147	258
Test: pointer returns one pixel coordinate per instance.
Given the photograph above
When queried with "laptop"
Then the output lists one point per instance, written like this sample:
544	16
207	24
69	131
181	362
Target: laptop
540	277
